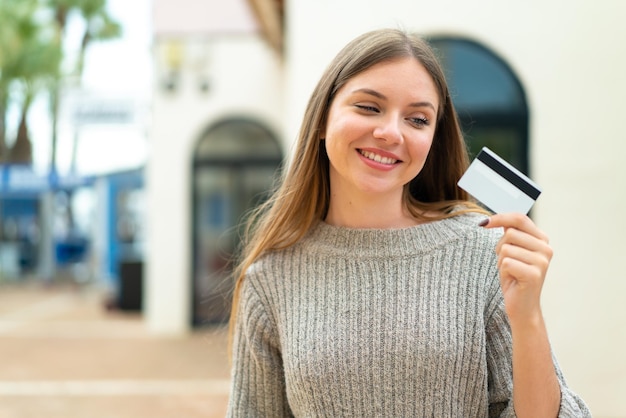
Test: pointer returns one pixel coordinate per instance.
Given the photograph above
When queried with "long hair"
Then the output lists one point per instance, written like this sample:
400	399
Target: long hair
302	197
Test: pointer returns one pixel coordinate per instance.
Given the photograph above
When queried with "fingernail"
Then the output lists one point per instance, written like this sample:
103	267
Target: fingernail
484	222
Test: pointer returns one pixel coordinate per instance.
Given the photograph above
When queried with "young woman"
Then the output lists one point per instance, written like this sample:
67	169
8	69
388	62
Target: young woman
371	286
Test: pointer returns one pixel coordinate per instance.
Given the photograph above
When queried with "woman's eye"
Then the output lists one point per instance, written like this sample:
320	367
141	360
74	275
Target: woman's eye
367	108
419	122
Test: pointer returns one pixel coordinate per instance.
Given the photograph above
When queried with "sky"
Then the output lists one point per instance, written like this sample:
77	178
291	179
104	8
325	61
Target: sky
116	71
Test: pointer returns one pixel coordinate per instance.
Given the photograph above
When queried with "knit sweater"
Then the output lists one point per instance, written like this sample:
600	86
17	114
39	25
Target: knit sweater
378	323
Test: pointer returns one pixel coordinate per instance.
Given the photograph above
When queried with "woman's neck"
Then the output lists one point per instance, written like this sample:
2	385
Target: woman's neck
366	211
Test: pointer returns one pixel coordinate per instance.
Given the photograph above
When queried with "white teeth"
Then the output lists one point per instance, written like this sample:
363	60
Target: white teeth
377	158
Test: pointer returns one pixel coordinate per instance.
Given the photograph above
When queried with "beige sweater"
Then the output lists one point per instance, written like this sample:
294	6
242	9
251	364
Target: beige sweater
378	323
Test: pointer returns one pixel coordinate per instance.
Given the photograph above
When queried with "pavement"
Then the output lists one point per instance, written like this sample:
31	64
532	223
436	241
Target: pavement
63	354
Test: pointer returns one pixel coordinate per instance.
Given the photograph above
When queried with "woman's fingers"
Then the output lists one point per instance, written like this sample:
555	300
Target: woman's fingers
523	244
523	264
518	222
524	255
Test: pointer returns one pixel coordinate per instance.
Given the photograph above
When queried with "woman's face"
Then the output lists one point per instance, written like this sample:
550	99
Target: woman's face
379	129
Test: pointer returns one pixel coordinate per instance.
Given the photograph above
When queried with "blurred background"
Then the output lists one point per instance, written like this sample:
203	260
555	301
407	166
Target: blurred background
75	94
135	134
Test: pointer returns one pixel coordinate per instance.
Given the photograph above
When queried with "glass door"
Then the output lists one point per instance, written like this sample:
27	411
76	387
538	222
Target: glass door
234	171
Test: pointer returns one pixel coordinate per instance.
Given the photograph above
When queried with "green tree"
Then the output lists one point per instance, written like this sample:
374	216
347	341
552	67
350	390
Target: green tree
99	26
37	66
16	29
31	60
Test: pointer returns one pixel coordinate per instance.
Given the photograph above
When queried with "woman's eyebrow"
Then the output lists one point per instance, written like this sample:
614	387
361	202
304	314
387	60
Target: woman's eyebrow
371	93
383	97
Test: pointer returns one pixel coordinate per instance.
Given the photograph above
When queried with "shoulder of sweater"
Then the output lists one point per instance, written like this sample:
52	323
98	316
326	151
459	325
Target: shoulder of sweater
264	278
263	271
462	230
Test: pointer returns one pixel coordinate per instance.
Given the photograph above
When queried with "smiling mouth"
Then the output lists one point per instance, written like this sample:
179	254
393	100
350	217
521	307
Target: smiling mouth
378	158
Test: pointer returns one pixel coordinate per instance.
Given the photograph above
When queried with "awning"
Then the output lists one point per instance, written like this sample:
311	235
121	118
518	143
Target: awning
270	14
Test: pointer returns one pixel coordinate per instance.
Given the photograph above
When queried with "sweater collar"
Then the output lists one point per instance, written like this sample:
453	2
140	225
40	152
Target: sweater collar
395	242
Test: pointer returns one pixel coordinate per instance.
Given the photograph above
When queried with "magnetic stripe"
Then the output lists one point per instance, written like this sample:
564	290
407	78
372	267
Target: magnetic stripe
509	175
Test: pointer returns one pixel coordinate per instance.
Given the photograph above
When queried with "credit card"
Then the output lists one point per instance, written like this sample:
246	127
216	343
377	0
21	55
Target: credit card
498	185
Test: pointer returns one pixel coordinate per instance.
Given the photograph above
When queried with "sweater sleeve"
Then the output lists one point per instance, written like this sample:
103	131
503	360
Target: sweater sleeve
500	380
258	384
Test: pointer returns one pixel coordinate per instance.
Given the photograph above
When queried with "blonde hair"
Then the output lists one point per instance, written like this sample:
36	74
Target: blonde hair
302	197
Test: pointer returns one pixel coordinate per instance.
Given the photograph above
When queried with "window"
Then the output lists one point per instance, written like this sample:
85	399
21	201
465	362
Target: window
488	97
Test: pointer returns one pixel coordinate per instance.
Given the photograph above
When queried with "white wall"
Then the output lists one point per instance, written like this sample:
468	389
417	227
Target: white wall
569	56
245	78
188	17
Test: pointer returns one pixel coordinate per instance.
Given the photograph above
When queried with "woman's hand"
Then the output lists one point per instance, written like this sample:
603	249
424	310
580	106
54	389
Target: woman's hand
523	259
524	255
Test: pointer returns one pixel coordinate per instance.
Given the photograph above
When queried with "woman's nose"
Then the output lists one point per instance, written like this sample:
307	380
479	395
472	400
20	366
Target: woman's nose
389	130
